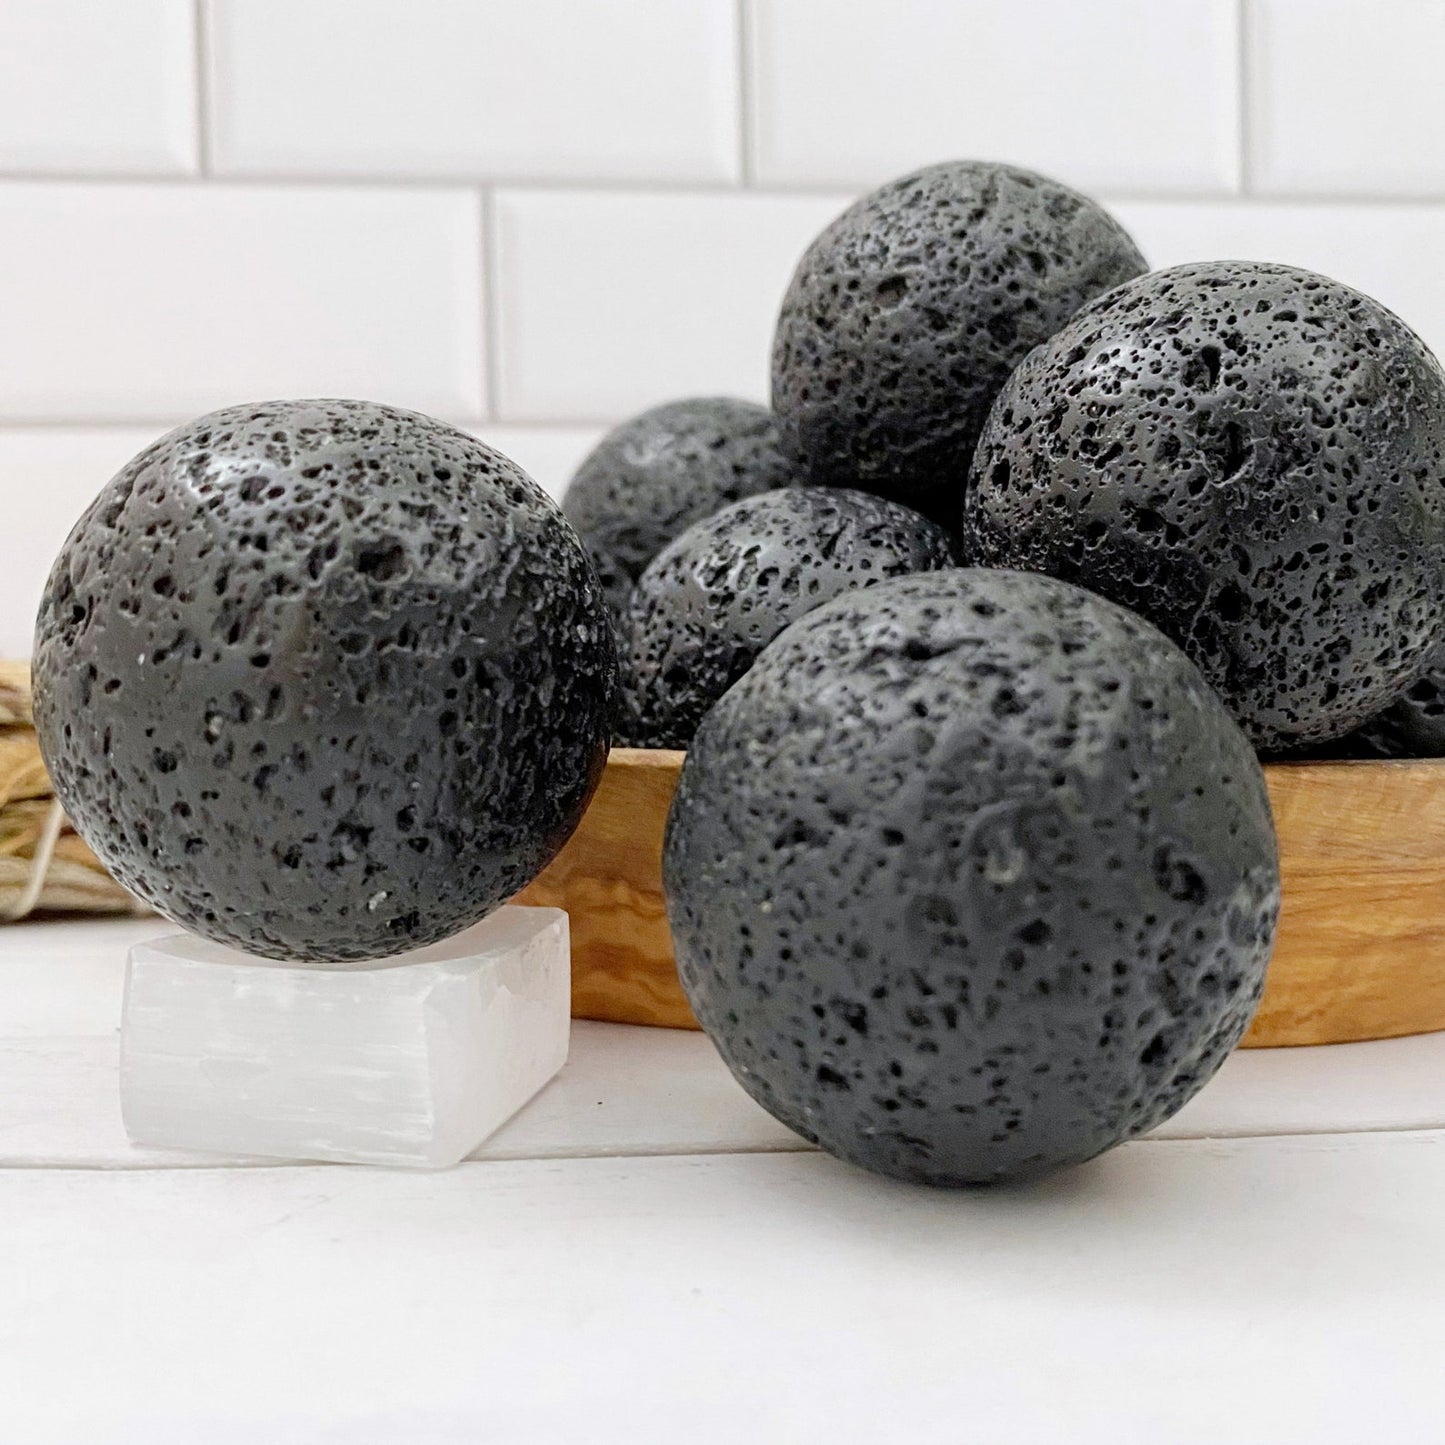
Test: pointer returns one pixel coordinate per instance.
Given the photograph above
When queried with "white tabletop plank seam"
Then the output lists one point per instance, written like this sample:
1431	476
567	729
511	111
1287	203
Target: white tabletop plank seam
1344	1140
702	1151
259	1167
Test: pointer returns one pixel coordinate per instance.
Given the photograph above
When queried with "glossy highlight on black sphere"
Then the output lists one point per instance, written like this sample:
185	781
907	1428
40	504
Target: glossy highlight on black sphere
1003	892
906	315
653	476
323	680
717	595
1252	456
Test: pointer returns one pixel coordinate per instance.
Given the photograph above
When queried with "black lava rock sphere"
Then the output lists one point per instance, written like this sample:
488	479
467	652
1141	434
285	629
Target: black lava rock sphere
1001	894
652	477
718	594
906	315
323	680
1251	455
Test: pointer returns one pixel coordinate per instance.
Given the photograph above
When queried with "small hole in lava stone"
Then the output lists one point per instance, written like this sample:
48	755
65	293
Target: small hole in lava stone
382	561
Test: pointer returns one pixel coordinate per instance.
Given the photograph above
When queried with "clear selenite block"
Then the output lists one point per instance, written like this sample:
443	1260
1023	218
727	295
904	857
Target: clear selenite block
410	1061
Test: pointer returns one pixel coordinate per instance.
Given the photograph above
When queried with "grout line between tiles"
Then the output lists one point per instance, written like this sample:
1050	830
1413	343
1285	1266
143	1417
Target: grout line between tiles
161	424
202	79
551	423
1243	92
87	423
745	92
835	190
491	306
390	181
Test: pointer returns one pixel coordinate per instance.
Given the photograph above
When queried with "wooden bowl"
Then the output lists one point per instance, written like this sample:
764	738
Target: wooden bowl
1360	952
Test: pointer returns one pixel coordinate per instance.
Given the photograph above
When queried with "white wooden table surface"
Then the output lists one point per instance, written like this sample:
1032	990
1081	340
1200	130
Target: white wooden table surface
644	1255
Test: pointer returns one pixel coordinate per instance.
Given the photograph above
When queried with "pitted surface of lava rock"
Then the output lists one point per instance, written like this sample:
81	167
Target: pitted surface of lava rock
717	595
323	680
653	476
906	315
1253	457
971	876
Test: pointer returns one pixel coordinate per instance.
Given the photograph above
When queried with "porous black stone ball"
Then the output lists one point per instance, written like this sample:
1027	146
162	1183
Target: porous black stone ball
652	477
906	314
1251	455
323	680
971	876
718	594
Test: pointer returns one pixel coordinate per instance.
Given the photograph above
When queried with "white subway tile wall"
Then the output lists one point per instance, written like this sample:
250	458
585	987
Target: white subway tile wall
1129	94
533	217
1347	97
616	90
98	89
608	301
122	302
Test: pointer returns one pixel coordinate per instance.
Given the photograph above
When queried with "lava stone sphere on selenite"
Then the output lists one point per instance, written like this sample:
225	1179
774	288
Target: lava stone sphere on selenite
652	477
1413	726
718	594
971	876
905	316
323	680
1251	455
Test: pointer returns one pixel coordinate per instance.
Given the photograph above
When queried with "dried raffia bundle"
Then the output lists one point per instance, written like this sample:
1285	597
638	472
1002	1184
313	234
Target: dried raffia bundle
15	693
22	772
44	866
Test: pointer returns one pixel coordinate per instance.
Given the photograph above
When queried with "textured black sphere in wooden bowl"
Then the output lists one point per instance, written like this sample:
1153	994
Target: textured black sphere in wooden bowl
654	475
906	315
1253	457
709	603
323	680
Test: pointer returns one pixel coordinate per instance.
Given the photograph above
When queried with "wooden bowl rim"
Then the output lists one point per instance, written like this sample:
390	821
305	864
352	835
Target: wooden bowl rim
630	757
